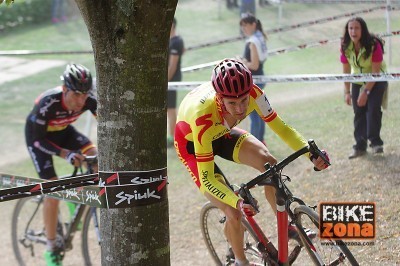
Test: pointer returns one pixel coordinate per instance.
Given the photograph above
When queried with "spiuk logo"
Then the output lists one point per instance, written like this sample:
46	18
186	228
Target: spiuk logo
347	220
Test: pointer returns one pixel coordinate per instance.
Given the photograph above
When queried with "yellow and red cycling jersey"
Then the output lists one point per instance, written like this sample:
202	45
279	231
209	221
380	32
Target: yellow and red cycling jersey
200	120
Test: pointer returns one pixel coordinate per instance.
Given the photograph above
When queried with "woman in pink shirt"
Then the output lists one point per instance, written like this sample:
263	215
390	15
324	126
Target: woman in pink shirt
362	52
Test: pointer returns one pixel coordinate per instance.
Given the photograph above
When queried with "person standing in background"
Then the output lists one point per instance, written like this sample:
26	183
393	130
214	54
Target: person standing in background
247	7
255	54
176	49
57	11
362	52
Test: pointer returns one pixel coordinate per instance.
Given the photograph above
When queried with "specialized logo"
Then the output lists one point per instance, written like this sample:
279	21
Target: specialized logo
348	220
210	187
204	121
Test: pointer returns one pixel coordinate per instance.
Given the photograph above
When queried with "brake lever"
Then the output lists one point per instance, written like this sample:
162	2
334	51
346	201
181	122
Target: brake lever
247	197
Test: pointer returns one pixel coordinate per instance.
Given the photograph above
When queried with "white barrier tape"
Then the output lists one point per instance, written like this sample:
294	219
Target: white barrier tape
301	79
328	19
283	50
291	27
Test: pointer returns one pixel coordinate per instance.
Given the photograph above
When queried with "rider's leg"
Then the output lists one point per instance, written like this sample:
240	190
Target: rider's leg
233	227
255	154
50	215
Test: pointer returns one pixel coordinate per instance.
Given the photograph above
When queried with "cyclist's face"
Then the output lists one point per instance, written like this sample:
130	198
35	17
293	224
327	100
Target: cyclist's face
237	107
74	101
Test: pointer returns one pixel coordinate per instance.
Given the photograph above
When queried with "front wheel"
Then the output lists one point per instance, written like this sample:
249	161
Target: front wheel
212	223
321	252
91	240
27	231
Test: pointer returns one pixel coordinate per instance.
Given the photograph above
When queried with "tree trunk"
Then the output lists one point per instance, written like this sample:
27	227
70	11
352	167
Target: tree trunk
130	42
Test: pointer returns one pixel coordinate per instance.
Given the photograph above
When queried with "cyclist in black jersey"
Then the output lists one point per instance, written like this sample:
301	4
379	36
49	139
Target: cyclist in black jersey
48	132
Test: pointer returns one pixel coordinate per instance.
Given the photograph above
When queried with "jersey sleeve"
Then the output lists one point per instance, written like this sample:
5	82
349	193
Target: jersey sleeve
285	132
202	139
92	104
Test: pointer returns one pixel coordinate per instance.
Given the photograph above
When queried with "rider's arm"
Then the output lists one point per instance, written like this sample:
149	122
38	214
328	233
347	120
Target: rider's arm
288	134
91	102
205	164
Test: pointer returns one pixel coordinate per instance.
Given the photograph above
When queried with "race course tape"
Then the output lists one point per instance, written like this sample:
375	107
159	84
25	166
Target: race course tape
283	50
122	189
226	40
301	78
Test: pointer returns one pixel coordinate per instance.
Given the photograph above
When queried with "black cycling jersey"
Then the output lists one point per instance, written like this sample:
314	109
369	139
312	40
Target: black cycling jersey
49	115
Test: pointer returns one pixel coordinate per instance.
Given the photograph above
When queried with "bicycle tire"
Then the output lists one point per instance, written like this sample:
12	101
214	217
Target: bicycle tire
334	253
28	249
212	222
91	240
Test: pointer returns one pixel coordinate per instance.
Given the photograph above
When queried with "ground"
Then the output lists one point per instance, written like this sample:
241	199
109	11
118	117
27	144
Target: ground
368	179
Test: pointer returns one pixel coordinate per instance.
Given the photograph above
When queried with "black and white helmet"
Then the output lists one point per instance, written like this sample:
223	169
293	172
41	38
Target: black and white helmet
78	78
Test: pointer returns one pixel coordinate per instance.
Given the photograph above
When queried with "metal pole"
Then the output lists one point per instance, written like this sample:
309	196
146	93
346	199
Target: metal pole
388	7
219	8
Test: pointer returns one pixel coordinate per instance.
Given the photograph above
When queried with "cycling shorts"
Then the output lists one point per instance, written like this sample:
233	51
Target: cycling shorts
69	138
226	147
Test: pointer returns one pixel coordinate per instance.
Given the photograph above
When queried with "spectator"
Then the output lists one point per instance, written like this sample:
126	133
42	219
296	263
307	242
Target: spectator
362	52
255	54
176	49
48	133
57	11
247	6
231	4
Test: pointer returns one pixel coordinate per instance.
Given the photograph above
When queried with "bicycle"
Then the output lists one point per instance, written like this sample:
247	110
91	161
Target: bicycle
258	248
28	234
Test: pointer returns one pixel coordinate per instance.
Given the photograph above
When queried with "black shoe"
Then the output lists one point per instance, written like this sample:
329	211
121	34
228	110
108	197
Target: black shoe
357	153
377	149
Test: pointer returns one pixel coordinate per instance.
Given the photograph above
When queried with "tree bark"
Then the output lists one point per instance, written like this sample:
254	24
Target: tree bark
130	42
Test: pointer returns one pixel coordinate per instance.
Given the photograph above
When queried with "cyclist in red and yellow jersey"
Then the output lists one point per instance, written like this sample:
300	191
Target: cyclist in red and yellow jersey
206	127
48	133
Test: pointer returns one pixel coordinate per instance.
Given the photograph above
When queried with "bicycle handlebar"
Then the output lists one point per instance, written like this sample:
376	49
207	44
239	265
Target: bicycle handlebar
271	170
265	177
90	160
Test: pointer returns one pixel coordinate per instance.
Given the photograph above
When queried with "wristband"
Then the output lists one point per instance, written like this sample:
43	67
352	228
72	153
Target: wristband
70	157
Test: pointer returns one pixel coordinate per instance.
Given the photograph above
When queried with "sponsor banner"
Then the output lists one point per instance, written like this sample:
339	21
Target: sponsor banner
347	220
81	190
128	189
